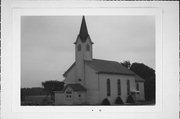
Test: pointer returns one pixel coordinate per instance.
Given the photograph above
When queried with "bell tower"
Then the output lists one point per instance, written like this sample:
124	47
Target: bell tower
83	51
83	44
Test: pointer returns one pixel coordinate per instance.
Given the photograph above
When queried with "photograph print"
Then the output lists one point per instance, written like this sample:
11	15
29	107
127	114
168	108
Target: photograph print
88	60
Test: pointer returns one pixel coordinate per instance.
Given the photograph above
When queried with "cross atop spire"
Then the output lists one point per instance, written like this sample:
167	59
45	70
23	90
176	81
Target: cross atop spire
83	30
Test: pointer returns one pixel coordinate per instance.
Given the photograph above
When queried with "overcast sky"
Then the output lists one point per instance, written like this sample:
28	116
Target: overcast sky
47	48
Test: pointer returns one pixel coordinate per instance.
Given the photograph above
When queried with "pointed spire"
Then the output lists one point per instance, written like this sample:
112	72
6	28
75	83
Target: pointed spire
83	30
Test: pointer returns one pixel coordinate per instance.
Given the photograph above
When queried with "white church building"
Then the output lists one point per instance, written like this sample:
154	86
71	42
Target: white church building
91	81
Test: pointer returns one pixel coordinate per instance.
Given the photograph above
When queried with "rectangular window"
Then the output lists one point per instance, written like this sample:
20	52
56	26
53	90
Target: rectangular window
119	87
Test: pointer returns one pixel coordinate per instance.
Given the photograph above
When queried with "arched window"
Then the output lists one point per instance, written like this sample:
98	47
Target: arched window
108	88
128	87
79	47
119	86
87	47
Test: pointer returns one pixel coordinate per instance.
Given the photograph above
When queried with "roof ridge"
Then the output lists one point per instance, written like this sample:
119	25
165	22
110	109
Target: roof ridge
106	60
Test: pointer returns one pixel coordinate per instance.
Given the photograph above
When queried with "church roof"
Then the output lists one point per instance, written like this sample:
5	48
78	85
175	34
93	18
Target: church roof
76	87
109	67
105	66
69	69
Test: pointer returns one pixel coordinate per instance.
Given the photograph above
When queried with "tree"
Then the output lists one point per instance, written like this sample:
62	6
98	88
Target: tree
148	74
150	88
126	64
52	85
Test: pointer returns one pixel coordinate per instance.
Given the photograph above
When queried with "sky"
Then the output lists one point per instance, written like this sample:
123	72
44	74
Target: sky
47	48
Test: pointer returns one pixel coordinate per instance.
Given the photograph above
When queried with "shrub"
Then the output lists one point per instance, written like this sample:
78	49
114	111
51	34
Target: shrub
119	101
130	99
106	102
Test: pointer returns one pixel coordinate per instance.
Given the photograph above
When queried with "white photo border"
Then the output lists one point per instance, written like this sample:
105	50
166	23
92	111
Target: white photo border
79	8
18	13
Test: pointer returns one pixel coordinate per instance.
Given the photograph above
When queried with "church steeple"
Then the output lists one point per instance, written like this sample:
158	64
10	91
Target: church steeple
83	44
83	51
83	34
